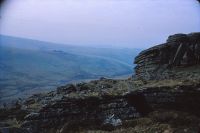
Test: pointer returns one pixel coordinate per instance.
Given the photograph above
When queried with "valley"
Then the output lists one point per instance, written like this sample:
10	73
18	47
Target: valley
30	66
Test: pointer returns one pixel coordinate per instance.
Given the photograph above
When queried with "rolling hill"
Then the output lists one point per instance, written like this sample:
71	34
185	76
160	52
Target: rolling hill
31	66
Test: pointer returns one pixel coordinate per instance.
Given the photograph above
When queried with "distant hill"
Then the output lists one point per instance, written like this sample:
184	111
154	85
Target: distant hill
30	66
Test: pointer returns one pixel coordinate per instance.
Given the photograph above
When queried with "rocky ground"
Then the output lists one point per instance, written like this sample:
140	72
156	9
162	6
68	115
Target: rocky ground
163	97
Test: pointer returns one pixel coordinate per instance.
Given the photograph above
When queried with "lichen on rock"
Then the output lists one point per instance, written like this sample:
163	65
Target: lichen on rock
161	61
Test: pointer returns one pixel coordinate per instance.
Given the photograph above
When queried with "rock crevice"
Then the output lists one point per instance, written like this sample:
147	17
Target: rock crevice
180	50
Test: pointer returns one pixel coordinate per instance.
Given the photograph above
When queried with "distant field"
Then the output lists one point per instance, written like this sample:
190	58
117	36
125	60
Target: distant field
29	66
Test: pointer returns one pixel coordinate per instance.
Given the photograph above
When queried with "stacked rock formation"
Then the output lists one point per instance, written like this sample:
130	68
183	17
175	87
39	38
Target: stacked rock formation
180	50
108	112
89	113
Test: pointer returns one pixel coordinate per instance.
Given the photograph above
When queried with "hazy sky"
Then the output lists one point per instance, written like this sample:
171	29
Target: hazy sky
124	23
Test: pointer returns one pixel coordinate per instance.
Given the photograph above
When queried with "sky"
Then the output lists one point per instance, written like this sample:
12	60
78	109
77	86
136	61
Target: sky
102	23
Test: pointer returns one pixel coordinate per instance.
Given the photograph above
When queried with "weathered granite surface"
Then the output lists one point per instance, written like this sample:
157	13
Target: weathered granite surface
93	112
161	61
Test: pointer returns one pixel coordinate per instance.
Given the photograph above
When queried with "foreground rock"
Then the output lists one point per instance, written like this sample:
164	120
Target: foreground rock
109	112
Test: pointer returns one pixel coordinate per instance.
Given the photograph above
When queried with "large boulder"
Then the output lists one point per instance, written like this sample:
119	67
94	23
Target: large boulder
161	61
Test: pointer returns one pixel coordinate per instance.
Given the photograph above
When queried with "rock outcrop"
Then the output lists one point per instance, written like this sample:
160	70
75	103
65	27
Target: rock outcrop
161	61
91	113
166	99
107	112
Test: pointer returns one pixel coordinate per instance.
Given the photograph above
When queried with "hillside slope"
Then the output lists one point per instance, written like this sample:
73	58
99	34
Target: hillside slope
30	66
140	105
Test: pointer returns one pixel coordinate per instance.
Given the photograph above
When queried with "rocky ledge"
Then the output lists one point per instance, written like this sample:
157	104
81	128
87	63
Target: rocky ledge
162	61
141	104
